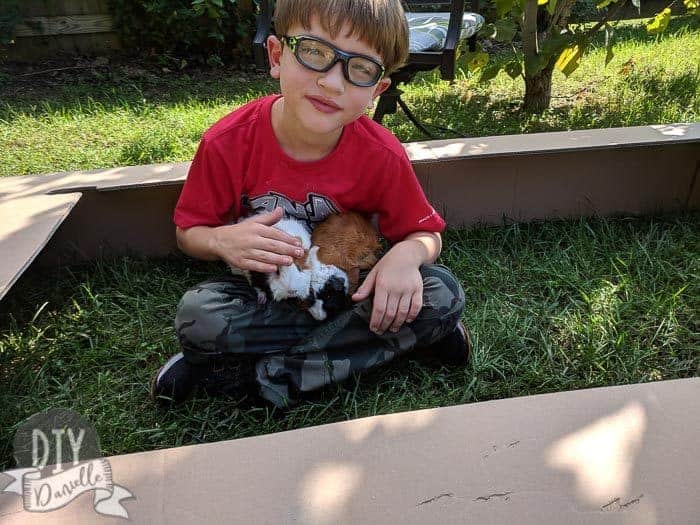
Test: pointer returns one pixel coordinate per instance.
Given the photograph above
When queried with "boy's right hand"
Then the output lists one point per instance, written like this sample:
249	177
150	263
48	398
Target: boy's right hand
254	244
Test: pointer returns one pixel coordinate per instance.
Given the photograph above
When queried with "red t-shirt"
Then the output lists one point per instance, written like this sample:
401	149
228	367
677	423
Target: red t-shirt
240	169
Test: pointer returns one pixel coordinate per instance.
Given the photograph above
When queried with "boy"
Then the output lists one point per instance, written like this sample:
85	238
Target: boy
307	153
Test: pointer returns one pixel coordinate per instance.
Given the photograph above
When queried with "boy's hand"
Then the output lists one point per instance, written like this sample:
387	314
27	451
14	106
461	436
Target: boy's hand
254	244
398	289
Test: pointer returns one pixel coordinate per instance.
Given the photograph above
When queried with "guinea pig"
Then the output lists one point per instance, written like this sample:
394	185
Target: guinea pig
327	275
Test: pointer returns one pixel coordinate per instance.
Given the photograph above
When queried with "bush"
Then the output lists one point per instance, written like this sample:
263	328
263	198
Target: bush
207	31
585	11
10	17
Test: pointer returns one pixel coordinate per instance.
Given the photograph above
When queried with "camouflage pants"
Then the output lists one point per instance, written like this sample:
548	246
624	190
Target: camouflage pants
292	351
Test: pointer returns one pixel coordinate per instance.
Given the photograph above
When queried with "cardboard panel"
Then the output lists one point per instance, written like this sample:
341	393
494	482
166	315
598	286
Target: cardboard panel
558	141
134	221
561	185
617	455
26	226
640	170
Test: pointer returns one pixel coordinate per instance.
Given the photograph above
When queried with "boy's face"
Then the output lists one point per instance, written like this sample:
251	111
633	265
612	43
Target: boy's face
321	102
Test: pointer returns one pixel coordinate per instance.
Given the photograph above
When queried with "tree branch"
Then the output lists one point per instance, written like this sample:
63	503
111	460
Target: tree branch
529	30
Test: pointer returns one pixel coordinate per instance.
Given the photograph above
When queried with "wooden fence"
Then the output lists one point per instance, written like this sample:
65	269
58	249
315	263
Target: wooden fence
59	27
84	27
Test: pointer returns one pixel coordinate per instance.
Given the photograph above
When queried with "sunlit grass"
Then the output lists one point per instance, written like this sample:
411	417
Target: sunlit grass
130	116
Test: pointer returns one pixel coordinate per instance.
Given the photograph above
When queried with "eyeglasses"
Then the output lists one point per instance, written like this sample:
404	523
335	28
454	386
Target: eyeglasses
318	55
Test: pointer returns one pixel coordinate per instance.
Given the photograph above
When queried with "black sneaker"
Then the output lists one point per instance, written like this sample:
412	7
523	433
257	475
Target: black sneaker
178	379
175	381
453	349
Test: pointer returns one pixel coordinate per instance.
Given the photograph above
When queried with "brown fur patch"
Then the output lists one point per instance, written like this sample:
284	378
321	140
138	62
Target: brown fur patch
348	241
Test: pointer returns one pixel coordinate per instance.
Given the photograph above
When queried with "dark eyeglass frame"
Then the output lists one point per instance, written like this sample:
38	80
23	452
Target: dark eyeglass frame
340	56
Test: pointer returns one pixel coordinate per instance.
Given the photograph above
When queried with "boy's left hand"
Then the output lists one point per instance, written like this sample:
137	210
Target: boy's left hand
398	289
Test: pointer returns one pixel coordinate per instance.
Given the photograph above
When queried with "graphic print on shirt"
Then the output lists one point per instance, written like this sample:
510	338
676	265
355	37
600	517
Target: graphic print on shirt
316	208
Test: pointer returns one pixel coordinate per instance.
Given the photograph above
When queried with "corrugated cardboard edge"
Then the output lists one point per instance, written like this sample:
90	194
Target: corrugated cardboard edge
613	455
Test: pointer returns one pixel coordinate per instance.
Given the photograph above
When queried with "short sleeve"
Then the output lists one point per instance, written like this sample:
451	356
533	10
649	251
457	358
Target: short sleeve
209	196
402	205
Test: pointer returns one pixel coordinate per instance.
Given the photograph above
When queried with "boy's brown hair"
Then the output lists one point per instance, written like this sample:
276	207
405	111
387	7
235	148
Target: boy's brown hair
379	23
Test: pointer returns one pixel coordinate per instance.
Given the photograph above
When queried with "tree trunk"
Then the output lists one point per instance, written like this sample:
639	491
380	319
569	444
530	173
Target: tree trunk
538	90
538	86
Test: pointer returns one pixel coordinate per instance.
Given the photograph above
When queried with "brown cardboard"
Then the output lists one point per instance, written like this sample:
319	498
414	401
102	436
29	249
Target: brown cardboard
487	180
616	455
27	224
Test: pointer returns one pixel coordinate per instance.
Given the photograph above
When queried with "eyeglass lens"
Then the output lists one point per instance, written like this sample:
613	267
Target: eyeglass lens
318	56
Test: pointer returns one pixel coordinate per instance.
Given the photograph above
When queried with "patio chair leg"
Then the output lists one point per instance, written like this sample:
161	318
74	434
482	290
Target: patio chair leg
386	104
413	118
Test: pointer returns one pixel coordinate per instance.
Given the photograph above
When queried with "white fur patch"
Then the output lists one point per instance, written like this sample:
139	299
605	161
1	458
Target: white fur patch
290	282
320	272
317	311
296	228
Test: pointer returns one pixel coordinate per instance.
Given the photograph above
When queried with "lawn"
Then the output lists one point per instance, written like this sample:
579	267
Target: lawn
552	306
125	113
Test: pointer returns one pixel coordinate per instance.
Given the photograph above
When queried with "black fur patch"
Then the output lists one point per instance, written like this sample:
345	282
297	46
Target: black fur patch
334	295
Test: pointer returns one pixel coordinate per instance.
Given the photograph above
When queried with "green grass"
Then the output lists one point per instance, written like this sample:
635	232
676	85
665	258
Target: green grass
551	306
124	115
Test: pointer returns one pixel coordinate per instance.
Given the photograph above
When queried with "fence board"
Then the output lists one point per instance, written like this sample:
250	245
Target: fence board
31	49
65	25
64	7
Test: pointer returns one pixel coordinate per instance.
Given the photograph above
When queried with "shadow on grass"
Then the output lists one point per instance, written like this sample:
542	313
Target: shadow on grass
116	88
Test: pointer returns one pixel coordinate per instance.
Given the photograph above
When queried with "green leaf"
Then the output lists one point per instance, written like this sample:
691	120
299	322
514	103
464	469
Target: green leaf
605	3
503	7
693	7
514	69
569	59
477	60
659	23
490	72
505	30
534	65
488	31
551	5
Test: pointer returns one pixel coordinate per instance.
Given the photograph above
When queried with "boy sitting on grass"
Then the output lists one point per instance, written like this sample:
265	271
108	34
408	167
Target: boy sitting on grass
308	153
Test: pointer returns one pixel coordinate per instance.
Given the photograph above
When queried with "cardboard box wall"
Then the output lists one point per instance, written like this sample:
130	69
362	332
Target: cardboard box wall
615	455
618	455
77	216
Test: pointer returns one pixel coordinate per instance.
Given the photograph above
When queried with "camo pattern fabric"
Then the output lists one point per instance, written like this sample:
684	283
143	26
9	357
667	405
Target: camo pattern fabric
293	352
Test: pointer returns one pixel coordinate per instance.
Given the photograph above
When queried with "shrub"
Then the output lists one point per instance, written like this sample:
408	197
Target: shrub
10	17
207	31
